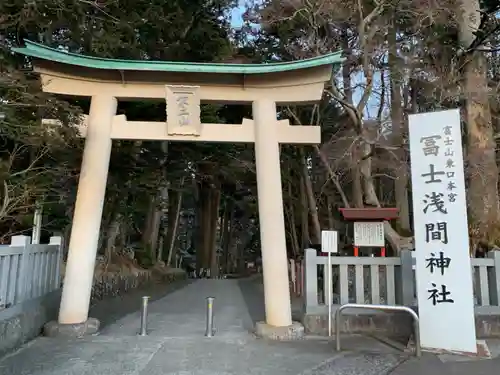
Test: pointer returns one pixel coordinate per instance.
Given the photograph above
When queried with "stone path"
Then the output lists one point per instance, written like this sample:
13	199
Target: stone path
176	344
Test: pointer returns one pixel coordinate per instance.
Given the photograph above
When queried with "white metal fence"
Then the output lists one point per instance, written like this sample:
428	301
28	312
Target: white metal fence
28	271
387	281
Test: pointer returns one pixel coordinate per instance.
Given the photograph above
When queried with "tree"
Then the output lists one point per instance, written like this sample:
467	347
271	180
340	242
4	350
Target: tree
395	66
179	30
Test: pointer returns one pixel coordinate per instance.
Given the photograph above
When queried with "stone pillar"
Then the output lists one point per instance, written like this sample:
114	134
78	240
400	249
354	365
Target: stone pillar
271	218
406	280
77	287
310	265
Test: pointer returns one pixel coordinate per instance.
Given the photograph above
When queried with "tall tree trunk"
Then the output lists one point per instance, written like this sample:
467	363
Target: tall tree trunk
294	240
311	199
156	211
112	235
146	233
196	232
331	220
230	244
237	237
481	149
356	186
155	232
161	247
482	168
203	250
226	232
398	130
161	208
223	234
175	226
214	224
173	200
304	217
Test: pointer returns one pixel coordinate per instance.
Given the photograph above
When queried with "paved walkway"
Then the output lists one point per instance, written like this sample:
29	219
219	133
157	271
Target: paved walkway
176	344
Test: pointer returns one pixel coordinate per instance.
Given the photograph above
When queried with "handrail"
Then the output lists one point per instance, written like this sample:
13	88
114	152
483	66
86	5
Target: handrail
416	320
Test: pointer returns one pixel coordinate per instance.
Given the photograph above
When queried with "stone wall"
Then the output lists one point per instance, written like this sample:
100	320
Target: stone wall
115	284
23	322
390	324
112	285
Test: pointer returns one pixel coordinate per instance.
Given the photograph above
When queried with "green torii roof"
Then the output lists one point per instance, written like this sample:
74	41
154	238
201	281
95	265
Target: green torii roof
40	51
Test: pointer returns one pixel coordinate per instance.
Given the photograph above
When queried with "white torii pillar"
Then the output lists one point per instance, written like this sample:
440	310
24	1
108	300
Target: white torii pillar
100	127
271	217
77	287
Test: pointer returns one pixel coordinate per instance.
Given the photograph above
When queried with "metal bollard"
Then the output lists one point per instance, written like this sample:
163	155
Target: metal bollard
144	316
209	332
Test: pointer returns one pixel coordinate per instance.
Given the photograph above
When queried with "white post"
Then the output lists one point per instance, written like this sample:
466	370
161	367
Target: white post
24	274
329	245
56	277
271	217
84	237
330	281
495	277
37	225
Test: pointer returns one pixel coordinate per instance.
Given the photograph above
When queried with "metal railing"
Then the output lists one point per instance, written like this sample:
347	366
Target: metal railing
416	321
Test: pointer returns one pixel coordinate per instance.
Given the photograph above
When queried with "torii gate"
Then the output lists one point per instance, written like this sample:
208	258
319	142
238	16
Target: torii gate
183	86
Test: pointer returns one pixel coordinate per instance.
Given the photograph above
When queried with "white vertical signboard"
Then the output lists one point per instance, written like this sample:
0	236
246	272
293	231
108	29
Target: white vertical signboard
329	245
443	267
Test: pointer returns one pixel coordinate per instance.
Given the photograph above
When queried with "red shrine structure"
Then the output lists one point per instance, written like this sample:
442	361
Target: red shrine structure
369	226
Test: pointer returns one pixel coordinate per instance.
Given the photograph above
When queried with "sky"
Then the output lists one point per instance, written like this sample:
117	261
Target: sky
373	103
236	20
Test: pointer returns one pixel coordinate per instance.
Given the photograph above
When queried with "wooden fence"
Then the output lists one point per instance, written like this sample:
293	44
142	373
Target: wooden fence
28	271
387	281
